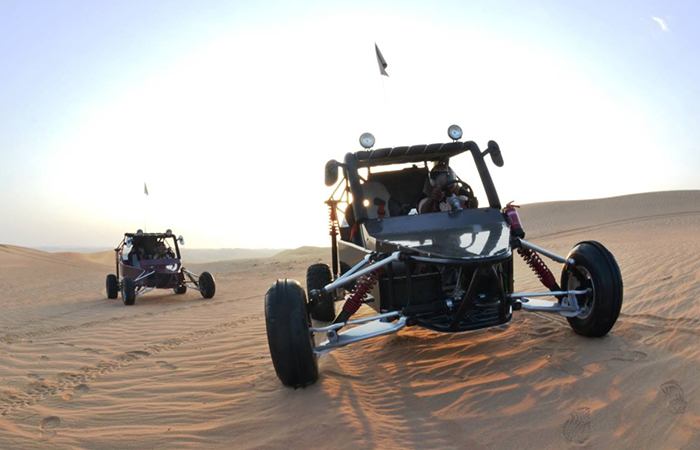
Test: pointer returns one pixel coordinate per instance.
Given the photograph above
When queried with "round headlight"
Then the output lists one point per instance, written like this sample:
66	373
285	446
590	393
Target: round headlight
367	140
454	132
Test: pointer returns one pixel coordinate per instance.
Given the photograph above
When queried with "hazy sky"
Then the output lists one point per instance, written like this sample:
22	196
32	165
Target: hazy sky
230	109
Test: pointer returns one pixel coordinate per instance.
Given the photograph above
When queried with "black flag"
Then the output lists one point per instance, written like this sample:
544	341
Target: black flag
380	60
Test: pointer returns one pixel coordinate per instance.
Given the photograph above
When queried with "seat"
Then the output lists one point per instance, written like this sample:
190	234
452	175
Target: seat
405	187
378	197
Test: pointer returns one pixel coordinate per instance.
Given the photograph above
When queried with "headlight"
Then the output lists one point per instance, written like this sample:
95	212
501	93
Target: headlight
454	132
367	140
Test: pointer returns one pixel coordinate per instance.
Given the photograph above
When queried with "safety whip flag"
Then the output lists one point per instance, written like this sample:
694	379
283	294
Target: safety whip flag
145	188
381	61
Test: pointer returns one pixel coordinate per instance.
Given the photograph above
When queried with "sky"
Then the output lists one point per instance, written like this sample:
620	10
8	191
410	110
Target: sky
229	110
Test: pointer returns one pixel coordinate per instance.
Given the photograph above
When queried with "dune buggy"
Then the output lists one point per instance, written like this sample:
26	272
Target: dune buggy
448	271
153	263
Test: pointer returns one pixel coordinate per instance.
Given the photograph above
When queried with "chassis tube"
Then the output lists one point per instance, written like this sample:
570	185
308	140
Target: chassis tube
355	188
485	175
549	294
550	255
348	278
338	326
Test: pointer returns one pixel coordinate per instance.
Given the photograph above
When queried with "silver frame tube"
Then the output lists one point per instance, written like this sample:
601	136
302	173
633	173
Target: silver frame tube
190	273
547	253
348	278
547	294
143	291
143	275
357	267
337	326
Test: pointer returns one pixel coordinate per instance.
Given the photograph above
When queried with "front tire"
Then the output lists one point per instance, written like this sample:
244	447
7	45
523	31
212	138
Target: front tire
128	291
112	286
207	285
317	277
288	336
595	268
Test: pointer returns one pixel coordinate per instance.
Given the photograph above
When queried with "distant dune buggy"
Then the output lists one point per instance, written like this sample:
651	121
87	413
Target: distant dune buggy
153	264
447	271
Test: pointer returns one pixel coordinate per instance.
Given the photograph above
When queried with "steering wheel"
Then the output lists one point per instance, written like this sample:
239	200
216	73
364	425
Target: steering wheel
450	184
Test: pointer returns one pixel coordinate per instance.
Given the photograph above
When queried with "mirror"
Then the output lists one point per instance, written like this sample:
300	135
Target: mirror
331	172
181	240
495	152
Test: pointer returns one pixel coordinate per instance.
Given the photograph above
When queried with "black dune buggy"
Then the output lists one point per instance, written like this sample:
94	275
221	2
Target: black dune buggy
153	263
447	271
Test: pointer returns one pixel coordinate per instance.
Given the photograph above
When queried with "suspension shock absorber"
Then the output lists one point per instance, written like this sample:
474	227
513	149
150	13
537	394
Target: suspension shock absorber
530	256
333	231
540	268
365	284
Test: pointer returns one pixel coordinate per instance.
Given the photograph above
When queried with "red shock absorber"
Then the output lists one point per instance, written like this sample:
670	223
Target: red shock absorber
364	286
540	268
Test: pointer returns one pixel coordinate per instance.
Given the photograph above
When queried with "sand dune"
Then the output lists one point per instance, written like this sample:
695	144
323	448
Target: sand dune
79	371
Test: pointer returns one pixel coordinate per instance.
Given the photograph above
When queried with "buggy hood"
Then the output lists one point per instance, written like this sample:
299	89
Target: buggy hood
471	234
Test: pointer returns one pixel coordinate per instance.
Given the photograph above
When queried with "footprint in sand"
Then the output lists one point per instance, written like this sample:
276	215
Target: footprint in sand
77	392
91	351
34	377
633	356
48	426
676	400
44	358
166	365
577	428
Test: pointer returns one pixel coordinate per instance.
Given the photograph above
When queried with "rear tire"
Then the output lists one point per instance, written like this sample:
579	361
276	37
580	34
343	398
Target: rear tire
128	291
288	336
317	277
595	268
180	289
207	285
112	286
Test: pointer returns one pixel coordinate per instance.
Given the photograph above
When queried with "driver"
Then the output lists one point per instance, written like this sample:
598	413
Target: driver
445	192
162	252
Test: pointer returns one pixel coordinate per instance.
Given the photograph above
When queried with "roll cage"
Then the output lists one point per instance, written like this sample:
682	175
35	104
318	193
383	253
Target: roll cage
147	242
404	184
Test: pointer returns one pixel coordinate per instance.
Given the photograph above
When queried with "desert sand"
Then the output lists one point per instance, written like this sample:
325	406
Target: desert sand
79	371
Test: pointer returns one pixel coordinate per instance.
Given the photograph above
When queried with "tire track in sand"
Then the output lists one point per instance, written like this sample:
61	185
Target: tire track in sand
70	381
11	337
375	395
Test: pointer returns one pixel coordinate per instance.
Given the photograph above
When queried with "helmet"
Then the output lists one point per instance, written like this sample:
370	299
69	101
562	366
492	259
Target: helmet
441	174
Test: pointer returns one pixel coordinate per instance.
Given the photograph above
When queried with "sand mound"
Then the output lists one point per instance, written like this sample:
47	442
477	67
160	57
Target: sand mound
304	252
78	371
105	258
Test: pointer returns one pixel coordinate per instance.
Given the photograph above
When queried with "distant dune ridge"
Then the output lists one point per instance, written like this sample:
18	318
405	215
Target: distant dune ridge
79	371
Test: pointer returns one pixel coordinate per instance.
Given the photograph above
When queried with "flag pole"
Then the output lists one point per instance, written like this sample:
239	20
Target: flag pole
145	209
382	69
386	102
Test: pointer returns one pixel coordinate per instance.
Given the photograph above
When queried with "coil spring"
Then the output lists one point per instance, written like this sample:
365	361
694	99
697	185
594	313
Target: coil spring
539	267
366	283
